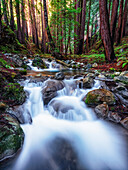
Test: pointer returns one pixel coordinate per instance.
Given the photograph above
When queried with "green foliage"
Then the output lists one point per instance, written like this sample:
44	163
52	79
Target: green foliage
4	63
123	61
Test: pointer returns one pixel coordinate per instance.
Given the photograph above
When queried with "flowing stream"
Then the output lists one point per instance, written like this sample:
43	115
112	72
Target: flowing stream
96	144
92	144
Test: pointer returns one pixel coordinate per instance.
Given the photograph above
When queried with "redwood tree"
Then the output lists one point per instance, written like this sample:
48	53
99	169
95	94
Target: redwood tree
118	36
82	28
12	16
114	18
124	20
19	35
105	31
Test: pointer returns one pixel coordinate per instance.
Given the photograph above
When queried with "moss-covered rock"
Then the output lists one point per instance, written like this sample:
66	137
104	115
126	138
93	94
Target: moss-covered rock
11	136
99	96
38	62
14	94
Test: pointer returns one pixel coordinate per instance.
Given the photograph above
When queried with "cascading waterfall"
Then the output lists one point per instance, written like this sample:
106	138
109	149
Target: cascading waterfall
98	146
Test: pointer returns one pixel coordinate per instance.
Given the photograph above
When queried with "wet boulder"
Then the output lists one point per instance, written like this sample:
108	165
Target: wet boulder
58	106
124	122
21	113
114	117
123	77
11	136
50	89
59	76
102	110
99	96
38	62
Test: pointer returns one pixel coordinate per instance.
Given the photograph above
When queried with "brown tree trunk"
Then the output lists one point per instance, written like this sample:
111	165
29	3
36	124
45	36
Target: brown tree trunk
105	31
76	27
5	12
12	16
42	20
34	23
0	20
23	21
118	36
82	28
124	20
87	40
52	44
31	21
114	18
19	36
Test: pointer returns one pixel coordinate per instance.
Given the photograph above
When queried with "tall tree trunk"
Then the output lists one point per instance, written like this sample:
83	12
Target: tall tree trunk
76	27
0	20
114	18
82	28
42	21
124	20
34	24
19	36
105	31
5	12
52	44
12	16
118	36
31	21
23	21
87	40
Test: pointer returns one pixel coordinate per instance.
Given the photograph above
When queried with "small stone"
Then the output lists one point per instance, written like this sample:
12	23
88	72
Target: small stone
113	116
102	110
124	122
101	76
2	106
95	65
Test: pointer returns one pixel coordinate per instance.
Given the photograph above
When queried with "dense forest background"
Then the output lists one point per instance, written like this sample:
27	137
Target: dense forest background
63	27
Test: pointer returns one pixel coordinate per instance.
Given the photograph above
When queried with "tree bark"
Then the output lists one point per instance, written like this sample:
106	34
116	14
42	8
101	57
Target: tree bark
118	36
34	24
76	26
87	40
52	44
12	16
105	31
82	28
5	12
124	20
0	20
42	21
114	18
19	36
23	21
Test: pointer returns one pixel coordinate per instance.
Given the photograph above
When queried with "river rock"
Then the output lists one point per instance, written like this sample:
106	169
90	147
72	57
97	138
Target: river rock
94	65
102	110
99	96
124	122
113	116
59	76
11	136
123	77
57	106
38	62
14	94
50	89
21	113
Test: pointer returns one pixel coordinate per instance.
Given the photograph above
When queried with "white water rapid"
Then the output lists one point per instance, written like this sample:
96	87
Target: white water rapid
97	145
